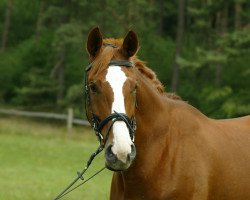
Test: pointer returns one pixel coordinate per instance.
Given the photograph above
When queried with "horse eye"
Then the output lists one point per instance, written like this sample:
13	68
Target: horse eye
93	87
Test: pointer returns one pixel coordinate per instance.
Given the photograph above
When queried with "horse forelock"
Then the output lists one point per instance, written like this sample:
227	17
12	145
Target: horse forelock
116	42
100	63
106	54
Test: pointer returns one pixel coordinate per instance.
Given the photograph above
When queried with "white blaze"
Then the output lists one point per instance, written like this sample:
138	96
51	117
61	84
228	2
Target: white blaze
121	139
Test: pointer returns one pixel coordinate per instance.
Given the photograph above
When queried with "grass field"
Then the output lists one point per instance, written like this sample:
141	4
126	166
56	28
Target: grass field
39	159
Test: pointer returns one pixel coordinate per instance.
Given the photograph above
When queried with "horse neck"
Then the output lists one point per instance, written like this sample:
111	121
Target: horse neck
151	105
149	100
152	121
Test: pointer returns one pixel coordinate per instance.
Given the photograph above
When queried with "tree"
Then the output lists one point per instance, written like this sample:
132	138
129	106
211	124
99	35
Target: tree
39	24
6	25
207	41
221	28
179	43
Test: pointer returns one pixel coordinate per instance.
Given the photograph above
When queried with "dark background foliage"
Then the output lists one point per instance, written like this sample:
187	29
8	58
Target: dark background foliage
199	49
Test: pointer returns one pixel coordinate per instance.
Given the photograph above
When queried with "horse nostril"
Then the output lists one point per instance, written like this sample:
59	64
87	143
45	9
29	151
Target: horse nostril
132	147
131	156
110	156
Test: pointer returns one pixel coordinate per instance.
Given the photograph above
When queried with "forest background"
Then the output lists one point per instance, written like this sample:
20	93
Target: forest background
199	49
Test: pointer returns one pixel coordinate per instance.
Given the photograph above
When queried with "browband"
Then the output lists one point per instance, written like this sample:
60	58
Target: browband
109	45
123	63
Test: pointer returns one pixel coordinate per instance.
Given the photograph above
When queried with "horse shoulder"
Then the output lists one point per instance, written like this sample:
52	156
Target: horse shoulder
209	153
188	163
230	143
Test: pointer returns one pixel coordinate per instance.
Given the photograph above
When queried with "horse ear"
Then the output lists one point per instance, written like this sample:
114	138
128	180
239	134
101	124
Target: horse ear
94	42
130	44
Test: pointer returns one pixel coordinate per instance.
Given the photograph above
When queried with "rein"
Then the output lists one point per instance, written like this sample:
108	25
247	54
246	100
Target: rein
80	175
98	125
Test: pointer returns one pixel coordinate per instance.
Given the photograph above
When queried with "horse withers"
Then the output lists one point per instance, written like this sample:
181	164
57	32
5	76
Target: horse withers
158	146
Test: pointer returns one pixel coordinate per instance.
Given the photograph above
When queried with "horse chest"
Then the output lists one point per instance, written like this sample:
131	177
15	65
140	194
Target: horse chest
149	188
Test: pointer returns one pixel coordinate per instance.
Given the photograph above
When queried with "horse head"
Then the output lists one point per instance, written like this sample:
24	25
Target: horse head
111	96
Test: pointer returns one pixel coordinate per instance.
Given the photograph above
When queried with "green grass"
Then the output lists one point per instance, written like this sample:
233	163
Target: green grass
38	160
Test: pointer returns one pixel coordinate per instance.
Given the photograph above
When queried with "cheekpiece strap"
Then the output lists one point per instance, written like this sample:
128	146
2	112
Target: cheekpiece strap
88	67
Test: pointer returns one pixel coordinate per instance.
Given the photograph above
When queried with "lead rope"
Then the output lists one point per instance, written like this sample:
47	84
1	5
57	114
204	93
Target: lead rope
65	193
80	175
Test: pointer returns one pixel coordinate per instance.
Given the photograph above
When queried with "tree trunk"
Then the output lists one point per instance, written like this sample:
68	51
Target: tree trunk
6	25
59	70
221	23
61	56
60	93
238	10
161	16
39	23
179	40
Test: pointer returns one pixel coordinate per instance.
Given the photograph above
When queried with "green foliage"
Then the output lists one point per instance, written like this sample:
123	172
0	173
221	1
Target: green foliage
235	43
29	67
203	58
75	99
68	35
23	21
219	98
36	91
158	53
13	65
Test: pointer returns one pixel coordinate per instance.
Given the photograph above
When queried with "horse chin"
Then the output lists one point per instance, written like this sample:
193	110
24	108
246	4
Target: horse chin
111	169
117	167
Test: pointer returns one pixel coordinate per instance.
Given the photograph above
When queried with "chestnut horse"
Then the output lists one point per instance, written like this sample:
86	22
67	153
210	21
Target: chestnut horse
173	151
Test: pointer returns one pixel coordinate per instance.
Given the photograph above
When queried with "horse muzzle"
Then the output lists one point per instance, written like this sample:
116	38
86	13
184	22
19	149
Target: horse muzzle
113	162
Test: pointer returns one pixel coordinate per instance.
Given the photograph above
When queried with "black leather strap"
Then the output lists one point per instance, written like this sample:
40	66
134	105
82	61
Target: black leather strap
98	125
123	63
109	45
117	116
88	67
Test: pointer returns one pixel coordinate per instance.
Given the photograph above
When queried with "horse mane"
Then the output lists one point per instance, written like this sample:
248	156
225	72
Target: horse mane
145	71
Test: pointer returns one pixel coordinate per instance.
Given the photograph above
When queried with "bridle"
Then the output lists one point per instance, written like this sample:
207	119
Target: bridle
98	125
